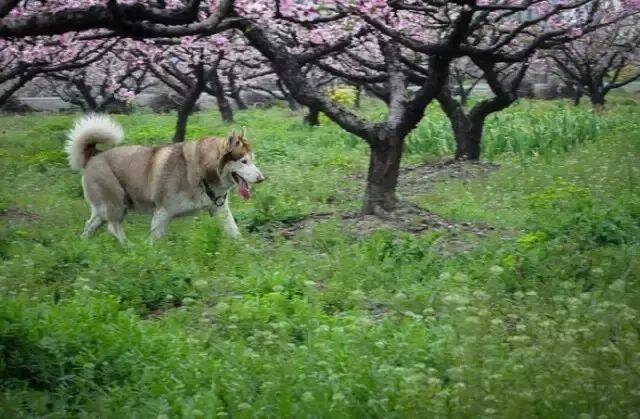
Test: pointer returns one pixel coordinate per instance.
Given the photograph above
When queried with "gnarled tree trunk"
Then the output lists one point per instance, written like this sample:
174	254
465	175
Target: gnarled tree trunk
224	107
468	139
187	105
467	131
312	117
235	90
85	91
382	179
577	96
6	95
468	126
597	91
237	98
183	114
597	97
291	101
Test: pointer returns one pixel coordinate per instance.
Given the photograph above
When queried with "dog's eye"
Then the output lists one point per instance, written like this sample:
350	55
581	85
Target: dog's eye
244	161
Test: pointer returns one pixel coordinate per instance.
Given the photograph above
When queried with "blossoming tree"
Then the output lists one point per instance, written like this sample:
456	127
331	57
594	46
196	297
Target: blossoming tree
601	61
109	83
431	33
22	60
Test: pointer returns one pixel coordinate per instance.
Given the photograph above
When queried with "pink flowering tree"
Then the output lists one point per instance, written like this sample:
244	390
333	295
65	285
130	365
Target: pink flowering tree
601	61
22	60
407	48
468	124
109	84
194	66
266	82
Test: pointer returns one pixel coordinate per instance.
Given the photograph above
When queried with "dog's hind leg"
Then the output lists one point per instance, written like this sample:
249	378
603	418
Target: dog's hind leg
115	227
92	224
159	223
107	198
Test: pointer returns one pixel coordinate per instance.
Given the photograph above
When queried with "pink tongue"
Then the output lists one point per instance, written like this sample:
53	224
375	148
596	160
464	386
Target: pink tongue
243	189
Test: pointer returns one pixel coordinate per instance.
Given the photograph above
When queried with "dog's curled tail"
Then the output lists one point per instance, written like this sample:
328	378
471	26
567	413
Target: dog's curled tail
86	133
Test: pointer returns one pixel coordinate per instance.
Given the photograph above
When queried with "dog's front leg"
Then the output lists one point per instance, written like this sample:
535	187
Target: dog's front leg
159	223
230	226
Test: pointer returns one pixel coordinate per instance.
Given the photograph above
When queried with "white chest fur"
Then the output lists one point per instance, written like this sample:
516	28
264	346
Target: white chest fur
186	203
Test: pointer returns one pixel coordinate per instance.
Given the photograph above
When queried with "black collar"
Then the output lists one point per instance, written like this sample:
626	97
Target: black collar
218	201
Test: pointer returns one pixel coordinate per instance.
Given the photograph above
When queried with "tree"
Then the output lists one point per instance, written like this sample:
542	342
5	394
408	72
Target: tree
103	85
258	76
22	60
235	89
190	68
499	44
468	125
601	61
464	76
490	33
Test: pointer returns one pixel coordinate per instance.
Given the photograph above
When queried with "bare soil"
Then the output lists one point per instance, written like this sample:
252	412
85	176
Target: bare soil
417	178
408	216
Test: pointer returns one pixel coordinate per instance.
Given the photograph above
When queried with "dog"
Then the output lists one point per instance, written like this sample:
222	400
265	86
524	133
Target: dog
167	181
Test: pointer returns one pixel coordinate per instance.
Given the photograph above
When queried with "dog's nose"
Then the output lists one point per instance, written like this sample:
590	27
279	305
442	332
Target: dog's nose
260	178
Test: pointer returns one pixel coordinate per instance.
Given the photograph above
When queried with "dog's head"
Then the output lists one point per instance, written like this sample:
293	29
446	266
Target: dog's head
238	164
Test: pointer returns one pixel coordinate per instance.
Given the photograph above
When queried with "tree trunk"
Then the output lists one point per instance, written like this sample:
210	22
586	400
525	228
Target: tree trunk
312	117
85	92
597	98
235	91
577	96
291	101
226	112
467	131
384	168
468	136
237	97
462	92
597	91
186	107
464	98
293	105
6	95
181	123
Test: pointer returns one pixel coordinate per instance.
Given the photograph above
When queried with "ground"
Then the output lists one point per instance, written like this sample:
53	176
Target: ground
517	297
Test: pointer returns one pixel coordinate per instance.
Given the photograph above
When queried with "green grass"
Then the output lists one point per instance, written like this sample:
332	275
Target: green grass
539	319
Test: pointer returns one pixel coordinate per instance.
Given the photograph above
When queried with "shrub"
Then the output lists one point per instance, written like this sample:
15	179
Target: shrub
343	94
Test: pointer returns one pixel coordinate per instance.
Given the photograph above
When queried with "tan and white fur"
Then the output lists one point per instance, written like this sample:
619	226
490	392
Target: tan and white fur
166	181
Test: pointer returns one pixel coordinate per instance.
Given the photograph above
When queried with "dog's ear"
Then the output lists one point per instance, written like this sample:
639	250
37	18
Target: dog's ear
232	141
243	133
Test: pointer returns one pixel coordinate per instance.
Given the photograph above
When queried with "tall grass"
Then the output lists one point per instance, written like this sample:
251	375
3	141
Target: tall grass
524	130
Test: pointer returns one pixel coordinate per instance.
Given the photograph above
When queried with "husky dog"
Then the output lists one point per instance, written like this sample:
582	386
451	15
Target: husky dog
167	181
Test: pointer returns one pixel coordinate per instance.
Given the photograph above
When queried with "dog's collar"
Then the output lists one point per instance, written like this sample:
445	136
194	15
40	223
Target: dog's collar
218	200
